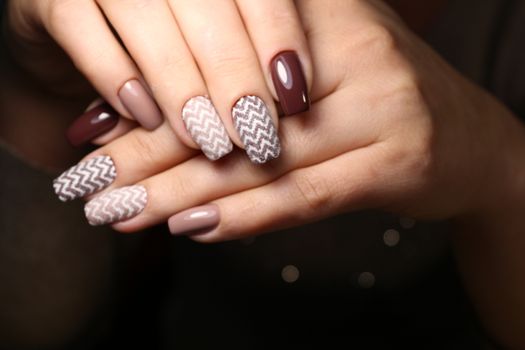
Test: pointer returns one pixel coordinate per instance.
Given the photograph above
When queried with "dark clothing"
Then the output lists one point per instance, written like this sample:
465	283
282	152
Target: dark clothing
366	280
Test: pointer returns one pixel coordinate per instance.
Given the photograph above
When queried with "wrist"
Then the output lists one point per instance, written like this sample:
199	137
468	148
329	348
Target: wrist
500	199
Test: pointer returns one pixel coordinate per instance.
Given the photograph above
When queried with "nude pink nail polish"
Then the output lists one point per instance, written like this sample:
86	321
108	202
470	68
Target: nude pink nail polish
194	221
140	104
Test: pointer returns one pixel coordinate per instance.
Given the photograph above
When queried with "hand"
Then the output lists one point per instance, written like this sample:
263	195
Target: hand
391	127
175	53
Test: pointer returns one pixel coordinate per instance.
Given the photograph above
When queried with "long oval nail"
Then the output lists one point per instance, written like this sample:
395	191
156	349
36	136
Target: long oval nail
93	123
140	104
254	124
117	205
205	127
85	178
194	221
290	83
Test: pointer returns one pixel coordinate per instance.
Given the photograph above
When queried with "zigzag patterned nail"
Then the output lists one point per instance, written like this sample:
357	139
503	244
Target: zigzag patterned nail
118	205
255	127
85	178
205	127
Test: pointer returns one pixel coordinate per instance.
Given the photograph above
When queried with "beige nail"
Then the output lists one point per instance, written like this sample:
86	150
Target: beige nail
140	104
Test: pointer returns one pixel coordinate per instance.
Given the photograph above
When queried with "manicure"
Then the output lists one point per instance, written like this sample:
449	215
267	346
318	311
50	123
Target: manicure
254	124
194	221
205	127
93	123
118	205
140	104
85	178
290	83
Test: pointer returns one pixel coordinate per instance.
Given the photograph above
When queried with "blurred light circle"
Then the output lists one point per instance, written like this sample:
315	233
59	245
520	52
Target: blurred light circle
391	238
366	280
290	274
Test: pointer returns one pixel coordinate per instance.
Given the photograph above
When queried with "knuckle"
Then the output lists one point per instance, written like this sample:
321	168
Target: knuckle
312	189
181	187
406	93
230	228
171	64
424	160
402	98
415	156
143	149
229	62
162	190
284	21
412	115
381	36
378	40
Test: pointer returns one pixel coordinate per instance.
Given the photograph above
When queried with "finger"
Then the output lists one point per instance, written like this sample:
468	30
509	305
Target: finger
300	197
126	161
278	37
151	35
123	127
131	158
81	30
227	60
99	119
99	125
198	181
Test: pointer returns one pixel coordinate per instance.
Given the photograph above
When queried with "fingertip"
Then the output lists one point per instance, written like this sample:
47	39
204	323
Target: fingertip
140	104
96	121
290	83
201	221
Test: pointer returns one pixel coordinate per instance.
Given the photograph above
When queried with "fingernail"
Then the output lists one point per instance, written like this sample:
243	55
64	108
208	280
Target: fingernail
254	124
93	123
118	205
85	178
140	104
194	221
290	83
205	127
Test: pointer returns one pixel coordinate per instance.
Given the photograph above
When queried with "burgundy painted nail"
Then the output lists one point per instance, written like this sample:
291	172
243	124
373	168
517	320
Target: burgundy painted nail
290	83
93	123
194	221
140	104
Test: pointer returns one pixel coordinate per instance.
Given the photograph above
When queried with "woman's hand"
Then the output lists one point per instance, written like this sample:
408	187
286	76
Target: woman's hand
201	64
391	127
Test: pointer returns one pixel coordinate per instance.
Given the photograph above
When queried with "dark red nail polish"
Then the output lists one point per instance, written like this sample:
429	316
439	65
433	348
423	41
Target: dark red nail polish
90	125
290	83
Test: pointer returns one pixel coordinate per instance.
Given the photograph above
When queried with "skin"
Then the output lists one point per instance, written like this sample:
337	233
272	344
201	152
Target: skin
433	146
248	30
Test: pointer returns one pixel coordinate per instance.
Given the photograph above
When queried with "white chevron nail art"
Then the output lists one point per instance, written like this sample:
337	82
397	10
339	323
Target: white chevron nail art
118	205
85	178
205	127
255	127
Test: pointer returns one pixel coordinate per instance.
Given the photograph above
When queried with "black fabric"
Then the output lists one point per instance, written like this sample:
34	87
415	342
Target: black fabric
507	78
